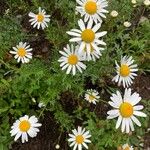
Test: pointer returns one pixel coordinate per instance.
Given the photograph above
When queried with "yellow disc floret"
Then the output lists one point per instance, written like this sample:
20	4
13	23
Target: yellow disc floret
126	110
91	7
79	139
124	70
24	126
88	36
91	97
21	52
73	59
40	17
127	148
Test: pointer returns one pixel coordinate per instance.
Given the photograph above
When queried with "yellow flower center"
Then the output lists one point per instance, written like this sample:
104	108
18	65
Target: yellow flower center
79	139
126	110
73	59
91	7
21	52
124	70
127	148
88	35
91	97
40	17
24	126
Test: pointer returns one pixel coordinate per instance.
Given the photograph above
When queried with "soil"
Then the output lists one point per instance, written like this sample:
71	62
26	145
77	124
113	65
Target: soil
50	135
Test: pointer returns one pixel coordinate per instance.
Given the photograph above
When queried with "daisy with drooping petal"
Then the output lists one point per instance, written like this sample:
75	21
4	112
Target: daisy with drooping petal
40	19
127	147
87	36
92	9
126	71
92	96
71	60
25	126
126	108
22	52
79	138
92	54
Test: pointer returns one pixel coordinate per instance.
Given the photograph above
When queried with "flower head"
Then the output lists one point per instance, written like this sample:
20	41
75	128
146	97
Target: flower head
127	24
127	147
25	126
146	2
92	9
40	19
133	1
87	36
114	13
22	52
125	71
126	108
71	60
79	138
92	96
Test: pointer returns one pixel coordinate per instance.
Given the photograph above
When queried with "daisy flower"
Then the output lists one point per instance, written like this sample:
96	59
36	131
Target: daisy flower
126	108
22	52
92	54
71	60
127	147
92	96
92	9
126	71
87	36
79	138
40	19
127	24
25	126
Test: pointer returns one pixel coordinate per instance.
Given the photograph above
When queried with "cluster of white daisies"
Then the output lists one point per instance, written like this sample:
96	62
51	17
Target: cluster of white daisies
89	45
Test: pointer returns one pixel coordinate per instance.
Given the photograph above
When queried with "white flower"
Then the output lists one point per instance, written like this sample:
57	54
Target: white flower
25	126
40	19
147	2
92	96
127	147
126	71
127	24
41	104
22	52
114	13
71	60
57	146
92	9
87	36
126	108
92	54
133	1
79	138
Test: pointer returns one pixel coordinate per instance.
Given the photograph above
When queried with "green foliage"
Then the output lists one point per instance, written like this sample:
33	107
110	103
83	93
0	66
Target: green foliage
23	86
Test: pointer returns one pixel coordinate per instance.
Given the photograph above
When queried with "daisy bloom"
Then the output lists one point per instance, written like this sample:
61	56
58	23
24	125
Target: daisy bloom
40	19
126	108
146	2
25	126
92	54
125	71
127	24
127	147
22	52
114	13
92	9
79	138
71	60
133	1
87	36
41	104
92	96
